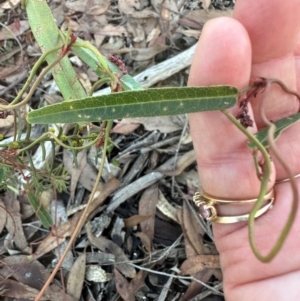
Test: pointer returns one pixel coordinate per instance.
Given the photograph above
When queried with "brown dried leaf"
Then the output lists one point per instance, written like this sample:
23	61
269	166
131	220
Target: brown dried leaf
143	54
14	289
124	129
189	249
169	14
55	239
13	30
136	30
134	220
166	208
107	246
103	191
193	233
27	271
147	206
76	277
195	288
74	171
14	222
195	264
146	241
164	124
138	281
110	30
122	286
90	7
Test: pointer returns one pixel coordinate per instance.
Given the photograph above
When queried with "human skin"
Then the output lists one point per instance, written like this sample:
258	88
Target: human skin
262	40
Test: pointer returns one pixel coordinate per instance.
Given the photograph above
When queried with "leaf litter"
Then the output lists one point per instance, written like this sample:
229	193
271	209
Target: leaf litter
142	237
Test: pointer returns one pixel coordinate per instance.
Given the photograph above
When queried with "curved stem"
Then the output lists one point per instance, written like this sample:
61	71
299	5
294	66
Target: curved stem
58	141
34	86
262	193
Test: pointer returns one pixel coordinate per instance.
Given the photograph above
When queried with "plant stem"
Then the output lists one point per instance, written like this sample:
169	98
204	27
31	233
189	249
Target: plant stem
83	215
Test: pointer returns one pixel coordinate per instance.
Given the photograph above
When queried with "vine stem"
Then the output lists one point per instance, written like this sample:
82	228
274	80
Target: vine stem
58	141
263	186
83	215
34	86
292	215
32	74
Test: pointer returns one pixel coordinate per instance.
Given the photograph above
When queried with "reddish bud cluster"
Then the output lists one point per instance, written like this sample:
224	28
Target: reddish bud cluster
118	62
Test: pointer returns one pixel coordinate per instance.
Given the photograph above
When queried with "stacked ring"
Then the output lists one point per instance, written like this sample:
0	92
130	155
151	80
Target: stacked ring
207	210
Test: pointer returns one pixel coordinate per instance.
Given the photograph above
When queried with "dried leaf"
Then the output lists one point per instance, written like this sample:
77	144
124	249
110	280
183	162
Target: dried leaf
14	289
13	30
134	220
107	246
123	128
27	271
166	208
94	7
195	287
164	124
74	171
122	287
195	264
55	239
146	241
147	206
193	232
14	222
143	54
76	277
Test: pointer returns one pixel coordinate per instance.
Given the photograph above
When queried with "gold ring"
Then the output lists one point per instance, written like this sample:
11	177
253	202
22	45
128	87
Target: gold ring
287	179
207	210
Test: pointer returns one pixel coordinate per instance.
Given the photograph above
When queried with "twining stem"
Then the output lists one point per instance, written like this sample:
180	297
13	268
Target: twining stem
32	74
263	187
34	86
271	133
83	217
58	141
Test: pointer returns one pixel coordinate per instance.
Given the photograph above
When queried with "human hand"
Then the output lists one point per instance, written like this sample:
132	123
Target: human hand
261	41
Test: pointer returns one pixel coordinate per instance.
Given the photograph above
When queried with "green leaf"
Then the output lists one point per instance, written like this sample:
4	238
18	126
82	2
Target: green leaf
128	82
280	124
40	210
143	103
46	33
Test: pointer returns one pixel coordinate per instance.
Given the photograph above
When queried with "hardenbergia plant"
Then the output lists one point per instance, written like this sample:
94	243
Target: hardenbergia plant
128	99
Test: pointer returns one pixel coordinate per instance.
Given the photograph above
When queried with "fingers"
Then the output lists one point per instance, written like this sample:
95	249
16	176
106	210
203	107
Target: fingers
223	56
274	34
273	31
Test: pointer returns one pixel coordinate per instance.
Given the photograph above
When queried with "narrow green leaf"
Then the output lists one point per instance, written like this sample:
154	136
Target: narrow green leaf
143	103
280	124
46	33
128	82
40	210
